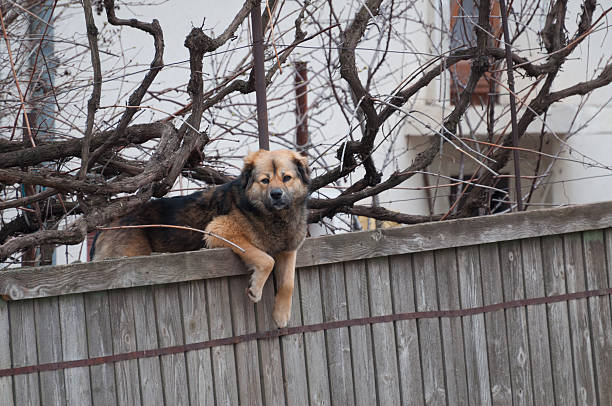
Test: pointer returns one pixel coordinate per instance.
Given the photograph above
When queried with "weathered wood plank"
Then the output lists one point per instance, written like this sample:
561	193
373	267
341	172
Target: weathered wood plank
516	322
338	341
495	325
146	339
170	332
195	320
452	329
474	333
74	346
558	321
383	334
271	368
49	344
223	361
99	344
247	357
294	360
24	351
168	268
601	314
539	345
316	357
127	377
430	340
584	372
361	336
6	383
406	332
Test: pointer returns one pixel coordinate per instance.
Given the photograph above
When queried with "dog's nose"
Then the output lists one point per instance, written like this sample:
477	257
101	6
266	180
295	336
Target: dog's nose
276	194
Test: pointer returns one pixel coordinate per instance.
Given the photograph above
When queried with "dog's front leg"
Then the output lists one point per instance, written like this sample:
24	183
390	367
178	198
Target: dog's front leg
285	270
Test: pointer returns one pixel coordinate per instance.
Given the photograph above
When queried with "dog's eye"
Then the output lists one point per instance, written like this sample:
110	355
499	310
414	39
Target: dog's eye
286	178
265	181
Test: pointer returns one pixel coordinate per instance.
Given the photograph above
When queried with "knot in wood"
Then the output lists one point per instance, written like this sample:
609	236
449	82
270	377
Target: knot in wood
198	42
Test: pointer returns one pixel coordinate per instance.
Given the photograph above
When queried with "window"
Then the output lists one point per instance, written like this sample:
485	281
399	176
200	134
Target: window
464	18
498	199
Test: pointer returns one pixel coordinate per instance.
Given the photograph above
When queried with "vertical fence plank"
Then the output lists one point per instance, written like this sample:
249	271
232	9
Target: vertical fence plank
24	352
385	356
601	315
316	357
6	383
49	343
516	321
429	329
74	346
338	346
558	321
269	349
123	329
406	332
538	327
223	361
99	344
361	336
146	339
170	331
584	371
495	324
195	320
452	330
247	358
474	334
294	362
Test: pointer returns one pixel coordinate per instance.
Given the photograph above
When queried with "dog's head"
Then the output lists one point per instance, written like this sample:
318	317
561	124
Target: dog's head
275	180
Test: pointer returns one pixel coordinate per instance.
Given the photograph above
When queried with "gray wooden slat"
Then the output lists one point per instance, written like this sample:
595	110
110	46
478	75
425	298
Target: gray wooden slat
168	268
430	341
452	329
74	346
271	368
516	322
361	336
146	339
6	383
474	334
170	332
223	361
584	372
316	357
24	351
601	314
406	332
247	357
338	346
49	344
495	325
195	320
294	359
558	321
99	344
383	334
127	377
539	346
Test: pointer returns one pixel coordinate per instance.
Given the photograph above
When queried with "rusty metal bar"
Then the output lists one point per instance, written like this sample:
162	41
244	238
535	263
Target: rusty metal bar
509	67
260	77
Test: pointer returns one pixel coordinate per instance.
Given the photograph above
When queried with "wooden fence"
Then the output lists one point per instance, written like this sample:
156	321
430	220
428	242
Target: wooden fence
140	313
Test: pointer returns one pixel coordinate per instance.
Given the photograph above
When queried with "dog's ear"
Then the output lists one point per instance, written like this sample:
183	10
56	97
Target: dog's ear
301	162
246	177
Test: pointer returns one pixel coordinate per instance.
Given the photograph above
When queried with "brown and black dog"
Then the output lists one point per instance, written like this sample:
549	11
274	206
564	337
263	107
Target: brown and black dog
263	211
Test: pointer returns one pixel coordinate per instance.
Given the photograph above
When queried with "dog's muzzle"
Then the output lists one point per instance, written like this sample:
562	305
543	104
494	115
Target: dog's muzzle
278	199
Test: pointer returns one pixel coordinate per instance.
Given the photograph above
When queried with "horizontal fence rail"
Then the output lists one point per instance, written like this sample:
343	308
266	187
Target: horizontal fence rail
511	309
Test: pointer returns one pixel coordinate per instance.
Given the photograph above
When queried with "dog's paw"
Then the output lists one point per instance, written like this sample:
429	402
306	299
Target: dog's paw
252	291
281	316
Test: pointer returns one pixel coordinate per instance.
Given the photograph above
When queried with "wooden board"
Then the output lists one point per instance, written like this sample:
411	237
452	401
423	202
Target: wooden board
24	352
6	383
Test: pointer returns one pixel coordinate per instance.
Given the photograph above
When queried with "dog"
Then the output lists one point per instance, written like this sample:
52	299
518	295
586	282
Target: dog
263	211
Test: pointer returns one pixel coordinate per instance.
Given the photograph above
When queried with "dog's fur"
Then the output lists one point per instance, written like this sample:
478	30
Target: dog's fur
263	211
